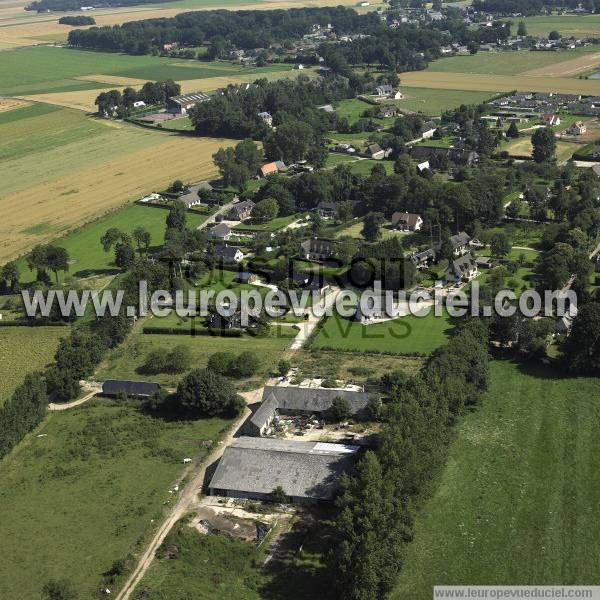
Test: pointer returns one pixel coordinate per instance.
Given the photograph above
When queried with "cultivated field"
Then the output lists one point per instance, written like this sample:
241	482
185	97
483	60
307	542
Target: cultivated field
522	481
408	335
89	492
568	68
498	83
41	70
508	63
20	28
24	350
54	179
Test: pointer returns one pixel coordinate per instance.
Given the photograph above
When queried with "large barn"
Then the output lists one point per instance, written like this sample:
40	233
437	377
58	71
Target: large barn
308	472
294	400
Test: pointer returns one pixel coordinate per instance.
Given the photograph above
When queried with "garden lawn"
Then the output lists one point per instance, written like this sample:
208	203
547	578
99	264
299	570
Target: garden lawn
407	335
519	499
89	492
353	109
24	350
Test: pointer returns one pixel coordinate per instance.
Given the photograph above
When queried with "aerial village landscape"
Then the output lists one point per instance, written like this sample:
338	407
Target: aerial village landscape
445	155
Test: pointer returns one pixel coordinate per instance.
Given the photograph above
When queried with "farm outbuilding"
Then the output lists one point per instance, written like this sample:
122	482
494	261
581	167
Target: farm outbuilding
308	472
132	389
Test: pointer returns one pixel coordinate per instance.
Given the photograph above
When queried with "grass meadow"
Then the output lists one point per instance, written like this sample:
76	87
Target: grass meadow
84	247
519	499
89	492
407	335
207	567
24	350
566	25
124	361
432	102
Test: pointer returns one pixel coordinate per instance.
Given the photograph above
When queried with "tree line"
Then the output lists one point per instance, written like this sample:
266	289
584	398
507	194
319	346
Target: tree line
245	29
117	103
374	507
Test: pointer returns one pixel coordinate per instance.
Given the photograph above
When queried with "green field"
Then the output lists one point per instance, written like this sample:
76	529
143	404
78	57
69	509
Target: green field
24	350
519	499
432	102
88	257
353	110
407	335
41	128
566	25
44	69
504	63
86	494
124	361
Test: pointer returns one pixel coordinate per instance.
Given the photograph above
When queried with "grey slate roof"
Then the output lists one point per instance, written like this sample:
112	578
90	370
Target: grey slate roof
220	231
308	470
140	389
301	399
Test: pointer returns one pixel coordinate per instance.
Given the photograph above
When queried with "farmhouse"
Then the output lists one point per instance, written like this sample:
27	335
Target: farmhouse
308	472
181	104
550	120
229	253
386	112
461	269
132	389
191	197
245	277
383	90
269	169
242	210
220	232
327	210
405	221
317	250
578	128
294	400
375	152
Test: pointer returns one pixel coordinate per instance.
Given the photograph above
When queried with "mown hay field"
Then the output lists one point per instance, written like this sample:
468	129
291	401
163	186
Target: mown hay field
508	63
498	83
24	350
568	68
61	170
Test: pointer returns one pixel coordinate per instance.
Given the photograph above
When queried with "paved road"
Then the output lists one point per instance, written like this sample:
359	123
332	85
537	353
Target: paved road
222	211
308	326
